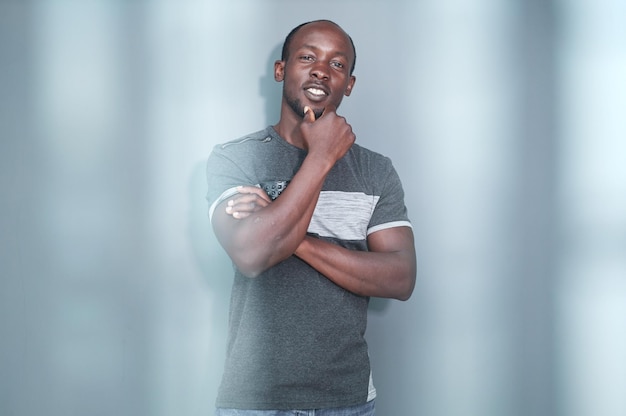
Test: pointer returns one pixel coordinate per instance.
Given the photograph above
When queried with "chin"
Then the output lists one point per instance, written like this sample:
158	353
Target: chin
318	112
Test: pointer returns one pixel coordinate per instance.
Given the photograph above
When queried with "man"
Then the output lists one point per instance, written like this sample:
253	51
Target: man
315	225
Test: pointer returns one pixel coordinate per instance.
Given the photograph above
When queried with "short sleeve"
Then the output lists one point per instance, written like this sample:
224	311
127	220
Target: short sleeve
390	210
223	176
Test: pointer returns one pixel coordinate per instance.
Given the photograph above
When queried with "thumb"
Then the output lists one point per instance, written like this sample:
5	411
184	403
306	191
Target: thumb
309	115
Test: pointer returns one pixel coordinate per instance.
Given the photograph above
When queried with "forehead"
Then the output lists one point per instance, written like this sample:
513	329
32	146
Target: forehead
325	36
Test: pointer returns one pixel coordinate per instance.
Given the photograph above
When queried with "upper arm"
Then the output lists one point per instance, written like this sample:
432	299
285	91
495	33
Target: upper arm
232	236
242	226
223	225
395	239
398	240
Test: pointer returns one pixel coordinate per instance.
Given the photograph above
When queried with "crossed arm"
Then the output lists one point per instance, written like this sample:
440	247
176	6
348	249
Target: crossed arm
258	234
387	270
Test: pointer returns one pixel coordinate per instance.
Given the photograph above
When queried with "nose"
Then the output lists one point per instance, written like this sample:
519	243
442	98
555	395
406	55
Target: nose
319	71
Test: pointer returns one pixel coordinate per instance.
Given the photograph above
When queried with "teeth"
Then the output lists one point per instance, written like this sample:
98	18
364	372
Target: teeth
316	91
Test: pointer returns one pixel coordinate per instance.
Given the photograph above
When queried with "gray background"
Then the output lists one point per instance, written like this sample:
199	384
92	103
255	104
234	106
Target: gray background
505	120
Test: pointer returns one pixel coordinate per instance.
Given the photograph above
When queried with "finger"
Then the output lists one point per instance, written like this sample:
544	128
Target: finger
247	190
249	206
247	203
240	215
243	210
309	115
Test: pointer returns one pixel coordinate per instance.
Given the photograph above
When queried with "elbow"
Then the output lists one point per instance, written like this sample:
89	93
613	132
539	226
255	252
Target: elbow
252	274
405	292
248	267
249	260
406	286
253	265
253	259
404	296
407	272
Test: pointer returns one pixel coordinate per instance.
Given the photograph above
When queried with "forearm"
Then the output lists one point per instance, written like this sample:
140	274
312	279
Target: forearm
388	274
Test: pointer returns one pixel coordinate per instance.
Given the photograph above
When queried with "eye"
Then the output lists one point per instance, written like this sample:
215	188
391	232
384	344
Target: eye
306	58
337	64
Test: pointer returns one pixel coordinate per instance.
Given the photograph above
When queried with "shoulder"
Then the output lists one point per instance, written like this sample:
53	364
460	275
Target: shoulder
261	136
369	158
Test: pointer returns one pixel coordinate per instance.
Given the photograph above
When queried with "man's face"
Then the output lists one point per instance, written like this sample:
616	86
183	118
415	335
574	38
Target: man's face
317	70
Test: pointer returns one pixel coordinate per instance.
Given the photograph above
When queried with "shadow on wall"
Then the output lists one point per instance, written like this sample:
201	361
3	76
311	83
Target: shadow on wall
216	271
212	261
270	90
211	258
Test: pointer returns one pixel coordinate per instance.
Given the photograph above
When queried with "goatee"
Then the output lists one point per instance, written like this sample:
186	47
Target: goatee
298	108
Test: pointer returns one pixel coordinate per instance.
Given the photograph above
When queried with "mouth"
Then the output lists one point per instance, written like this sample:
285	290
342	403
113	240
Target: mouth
316	92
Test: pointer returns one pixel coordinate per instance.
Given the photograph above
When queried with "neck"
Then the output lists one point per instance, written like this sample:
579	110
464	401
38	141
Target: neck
288	127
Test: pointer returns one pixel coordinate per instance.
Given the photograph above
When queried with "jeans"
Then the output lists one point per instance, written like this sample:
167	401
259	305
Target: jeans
367	409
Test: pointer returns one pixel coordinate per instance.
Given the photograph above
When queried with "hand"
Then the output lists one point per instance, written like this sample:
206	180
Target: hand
330	136
248	200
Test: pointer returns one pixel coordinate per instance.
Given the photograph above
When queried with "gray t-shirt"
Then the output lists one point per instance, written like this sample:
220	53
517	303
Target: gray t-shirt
296	339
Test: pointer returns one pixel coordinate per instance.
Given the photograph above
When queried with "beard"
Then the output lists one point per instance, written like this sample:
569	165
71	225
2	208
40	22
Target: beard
296	105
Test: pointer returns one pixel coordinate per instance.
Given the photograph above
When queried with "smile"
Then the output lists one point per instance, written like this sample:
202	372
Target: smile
316	92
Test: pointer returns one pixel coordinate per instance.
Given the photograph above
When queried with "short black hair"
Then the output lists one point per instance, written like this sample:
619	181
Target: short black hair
285	52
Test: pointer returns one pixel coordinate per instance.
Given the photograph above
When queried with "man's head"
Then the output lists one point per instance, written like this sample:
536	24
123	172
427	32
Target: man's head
316	67
285	51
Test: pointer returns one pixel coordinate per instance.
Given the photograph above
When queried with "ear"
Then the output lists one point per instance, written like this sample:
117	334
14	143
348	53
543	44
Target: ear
348	90
279	71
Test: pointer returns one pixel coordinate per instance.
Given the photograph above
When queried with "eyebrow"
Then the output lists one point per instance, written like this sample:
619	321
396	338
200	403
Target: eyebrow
342	54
